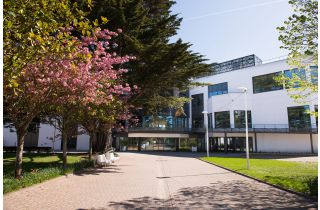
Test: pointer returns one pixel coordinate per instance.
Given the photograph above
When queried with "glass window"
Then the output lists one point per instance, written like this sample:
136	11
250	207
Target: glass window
299	117
240	120
222	119
301	73
210	120
314	74
265	83
218	89
196	109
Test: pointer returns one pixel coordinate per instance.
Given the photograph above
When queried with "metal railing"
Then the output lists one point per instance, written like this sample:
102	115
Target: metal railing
258	128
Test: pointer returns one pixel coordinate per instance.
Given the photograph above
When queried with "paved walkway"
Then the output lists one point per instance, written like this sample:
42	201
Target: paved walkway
151	181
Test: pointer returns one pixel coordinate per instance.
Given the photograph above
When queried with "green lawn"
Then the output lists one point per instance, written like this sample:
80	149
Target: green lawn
38	168
299	177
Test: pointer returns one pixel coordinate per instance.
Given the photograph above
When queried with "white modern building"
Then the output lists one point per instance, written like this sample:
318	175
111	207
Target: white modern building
44	135
276	122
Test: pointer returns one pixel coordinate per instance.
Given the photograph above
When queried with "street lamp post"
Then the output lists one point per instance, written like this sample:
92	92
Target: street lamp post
244	89
205	113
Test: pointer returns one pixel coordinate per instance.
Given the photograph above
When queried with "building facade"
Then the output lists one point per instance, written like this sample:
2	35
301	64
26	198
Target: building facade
276	122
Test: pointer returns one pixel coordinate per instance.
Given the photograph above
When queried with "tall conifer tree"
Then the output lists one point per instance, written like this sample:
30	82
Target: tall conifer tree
161	65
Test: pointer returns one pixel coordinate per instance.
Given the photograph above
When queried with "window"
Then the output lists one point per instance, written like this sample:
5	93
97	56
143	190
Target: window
218	89
299	117
197	108
222	119
240	120
210	120
300	73
314	74
265	83
316	114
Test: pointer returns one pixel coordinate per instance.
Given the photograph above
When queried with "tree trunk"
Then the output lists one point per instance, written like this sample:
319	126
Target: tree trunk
64	148
109	139
19	154
93	137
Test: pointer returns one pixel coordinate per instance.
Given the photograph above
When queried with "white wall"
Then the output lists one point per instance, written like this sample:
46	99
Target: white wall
9	137
83	142
292	143
315	142
267	108
46	131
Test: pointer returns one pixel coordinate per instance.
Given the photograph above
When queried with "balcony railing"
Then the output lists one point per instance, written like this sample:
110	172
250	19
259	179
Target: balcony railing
258	128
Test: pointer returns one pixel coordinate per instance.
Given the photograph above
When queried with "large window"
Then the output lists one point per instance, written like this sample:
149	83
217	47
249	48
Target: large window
240	120
314	74
222	119
299	117
210	120
265	83
218	89
197	108
300	73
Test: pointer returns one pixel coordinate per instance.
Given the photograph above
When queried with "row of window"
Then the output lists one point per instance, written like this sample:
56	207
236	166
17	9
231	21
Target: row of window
222	120
298	118
265	83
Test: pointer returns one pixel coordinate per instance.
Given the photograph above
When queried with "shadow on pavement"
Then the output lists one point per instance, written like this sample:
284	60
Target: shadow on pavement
220	195
99	171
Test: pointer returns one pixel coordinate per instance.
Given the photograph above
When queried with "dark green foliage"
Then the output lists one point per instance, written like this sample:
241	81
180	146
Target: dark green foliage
313	185
160	65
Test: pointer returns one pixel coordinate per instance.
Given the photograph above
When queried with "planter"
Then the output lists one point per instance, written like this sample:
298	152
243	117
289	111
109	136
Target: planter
124	148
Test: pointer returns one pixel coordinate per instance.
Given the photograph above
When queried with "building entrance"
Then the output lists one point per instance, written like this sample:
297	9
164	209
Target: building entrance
230	144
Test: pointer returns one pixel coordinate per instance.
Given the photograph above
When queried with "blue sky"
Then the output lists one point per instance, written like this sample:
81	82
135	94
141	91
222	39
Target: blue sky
227	29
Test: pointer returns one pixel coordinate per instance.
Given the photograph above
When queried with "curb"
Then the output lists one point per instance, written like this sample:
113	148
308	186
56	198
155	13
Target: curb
313	198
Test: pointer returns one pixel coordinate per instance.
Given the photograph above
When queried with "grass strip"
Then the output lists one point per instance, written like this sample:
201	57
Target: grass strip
295	176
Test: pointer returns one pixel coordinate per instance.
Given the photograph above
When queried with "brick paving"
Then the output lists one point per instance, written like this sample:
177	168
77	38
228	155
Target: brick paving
153	181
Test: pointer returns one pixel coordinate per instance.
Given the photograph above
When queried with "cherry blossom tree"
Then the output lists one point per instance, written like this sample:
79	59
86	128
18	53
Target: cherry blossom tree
100	114
62	84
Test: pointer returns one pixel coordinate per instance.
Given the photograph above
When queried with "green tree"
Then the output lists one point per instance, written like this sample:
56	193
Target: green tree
299	35
36	34
161	65
33	29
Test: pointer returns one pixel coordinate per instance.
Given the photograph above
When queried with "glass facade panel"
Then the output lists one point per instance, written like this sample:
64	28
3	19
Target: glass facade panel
165	122
265	83
240	120
210	120
197	108
314	74
222	119
230	144
301	73
218	89
299	117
